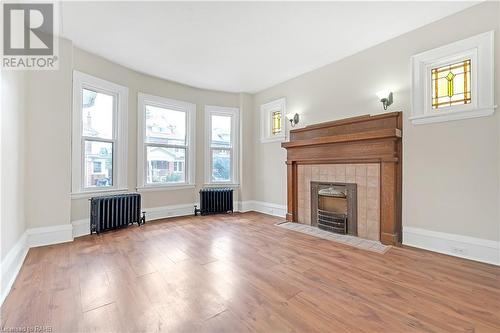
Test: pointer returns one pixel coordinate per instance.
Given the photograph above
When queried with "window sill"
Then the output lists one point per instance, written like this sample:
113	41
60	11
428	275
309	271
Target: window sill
452	115
230	185
90	194
164	188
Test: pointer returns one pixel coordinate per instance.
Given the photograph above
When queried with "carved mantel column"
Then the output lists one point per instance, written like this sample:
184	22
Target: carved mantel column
291	170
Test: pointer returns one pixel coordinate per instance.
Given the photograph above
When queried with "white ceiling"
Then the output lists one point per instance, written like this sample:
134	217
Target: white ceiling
239	47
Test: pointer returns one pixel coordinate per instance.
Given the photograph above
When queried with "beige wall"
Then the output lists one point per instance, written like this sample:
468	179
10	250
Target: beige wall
13	114
247	123
48	143
137	82
451	170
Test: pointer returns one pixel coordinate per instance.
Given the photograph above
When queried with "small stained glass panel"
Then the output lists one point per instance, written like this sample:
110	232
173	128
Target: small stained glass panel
276	122
451	84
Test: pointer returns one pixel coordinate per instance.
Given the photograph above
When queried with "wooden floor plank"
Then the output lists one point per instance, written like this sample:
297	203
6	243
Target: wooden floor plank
241	273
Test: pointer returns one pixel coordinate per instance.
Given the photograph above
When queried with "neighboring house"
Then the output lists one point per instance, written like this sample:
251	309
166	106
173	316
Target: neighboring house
165	165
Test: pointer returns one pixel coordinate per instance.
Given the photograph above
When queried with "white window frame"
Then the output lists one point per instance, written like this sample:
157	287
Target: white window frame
190	165
480	49
234	112
119	140
266	111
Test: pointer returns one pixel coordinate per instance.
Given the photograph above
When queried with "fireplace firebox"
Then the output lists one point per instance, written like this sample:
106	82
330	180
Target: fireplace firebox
333	207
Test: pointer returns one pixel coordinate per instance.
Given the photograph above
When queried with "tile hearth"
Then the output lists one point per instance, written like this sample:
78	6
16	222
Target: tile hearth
360	243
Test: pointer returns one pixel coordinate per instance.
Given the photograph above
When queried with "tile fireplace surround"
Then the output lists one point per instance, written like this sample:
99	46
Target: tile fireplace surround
367	178
364	150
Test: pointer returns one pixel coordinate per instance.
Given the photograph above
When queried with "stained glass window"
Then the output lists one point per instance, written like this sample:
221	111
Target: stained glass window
276	122
451	84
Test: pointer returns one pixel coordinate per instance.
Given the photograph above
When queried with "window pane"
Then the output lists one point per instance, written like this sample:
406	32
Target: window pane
451	84
221	165
276	122
165	126
221	131
165	165
98	164
97	114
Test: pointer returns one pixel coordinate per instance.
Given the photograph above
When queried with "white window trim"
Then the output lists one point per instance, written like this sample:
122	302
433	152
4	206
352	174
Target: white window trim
190	166
80	81
235	140
265	120
480	49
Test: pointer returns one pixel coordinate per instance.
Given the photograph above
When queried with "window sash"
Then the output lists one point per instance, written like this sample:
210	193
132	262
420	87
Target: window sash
113	164
99	90
82	164
161	145
231	164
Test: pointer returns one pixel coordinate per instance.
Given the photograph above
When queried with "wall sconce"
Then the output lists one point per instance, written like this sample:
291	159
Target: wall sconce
293	118
385	97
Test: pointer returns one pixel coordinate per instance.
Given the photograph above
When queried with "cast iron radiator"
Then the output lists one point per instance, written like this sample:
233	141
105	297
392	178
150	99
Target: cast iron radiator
115	211
215	200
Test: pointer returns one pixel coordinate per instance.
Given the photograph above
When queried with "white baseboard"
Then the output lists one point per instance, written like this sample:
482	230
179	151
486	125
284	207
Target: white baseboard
81	227
263	207
158	213
32	237
239	206
49	235
11	265
472	248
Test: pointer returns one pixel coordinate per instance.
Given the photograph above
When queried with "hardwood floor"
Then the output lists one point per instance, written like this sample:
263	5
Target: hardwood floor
240	273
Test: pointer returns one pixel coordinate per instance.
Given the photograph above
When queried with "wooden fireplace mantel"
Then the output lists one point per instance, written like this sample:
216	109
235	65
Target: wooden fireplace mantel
363	139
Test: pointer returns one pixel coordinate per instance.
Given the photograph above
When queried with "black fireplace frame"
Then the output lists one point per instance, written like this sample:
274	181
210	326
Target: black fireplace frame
352	204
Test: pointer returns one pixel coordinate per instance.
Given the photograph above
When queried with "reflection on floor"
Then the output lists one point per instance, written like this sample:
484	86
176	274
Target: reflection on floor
241	273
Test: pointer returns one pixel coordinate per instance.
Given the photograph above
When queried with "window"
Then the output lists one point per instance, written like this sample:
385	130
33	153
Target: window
454	81
178	166
166	144
272	125
99	135
451	84
276	121
222	139
97	166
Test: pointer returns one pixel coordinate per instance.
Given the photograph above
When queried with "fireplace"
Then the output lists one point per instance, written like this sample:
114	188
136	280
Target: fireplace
363	141
334	207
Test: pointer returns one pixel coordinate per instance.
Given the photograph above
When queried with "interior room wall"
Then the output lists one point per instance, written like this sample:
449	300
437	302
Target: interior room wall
13	115
451	169
48	135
